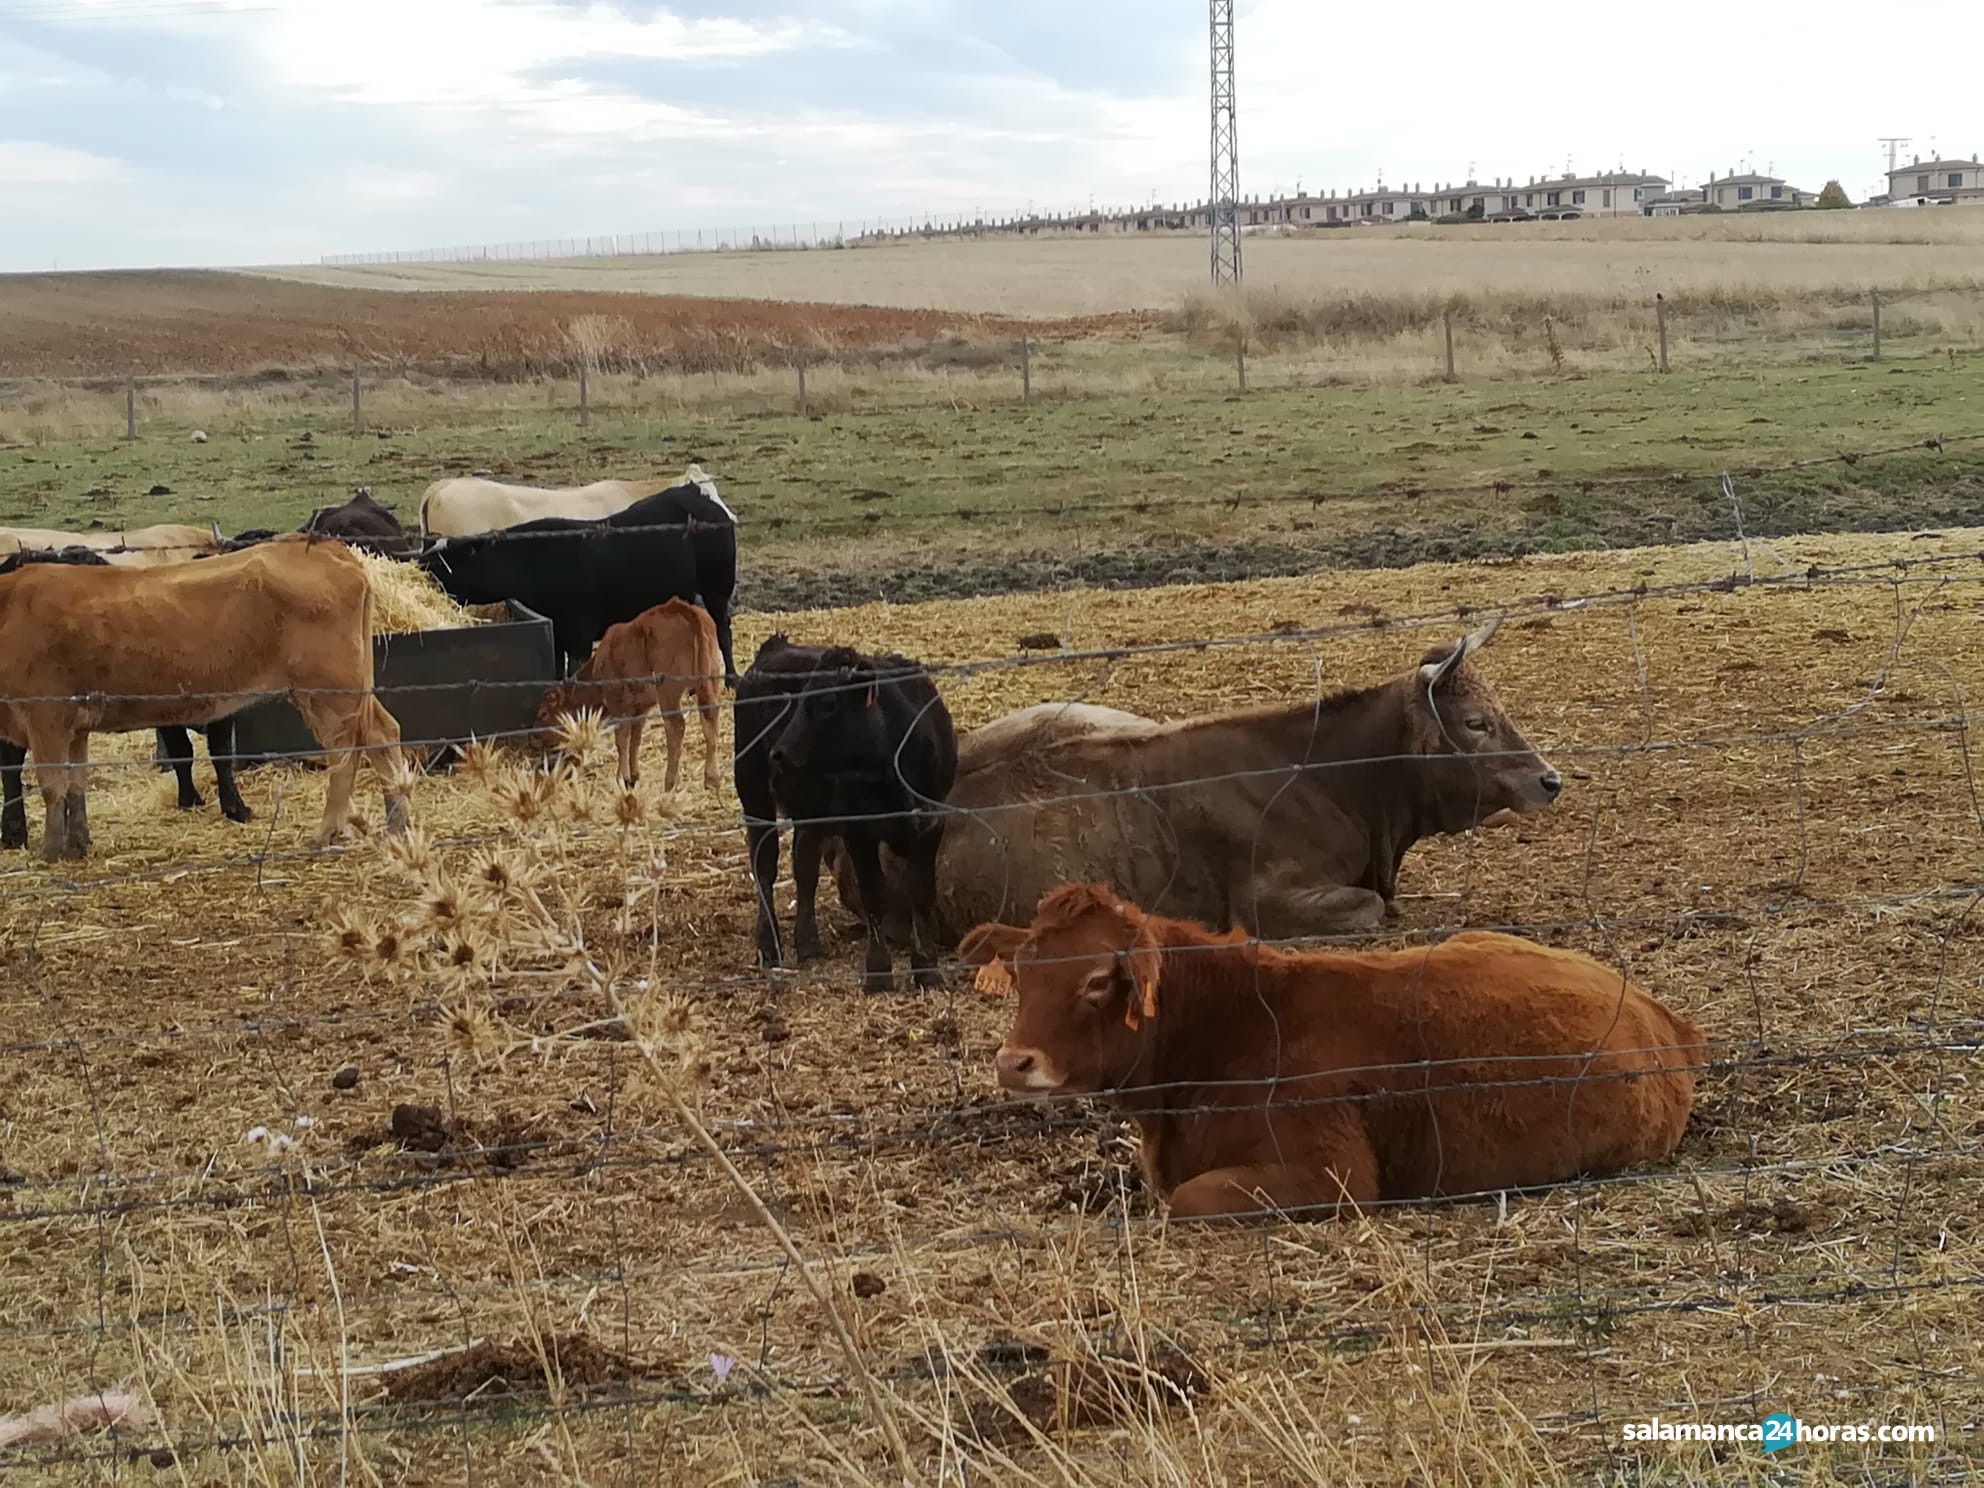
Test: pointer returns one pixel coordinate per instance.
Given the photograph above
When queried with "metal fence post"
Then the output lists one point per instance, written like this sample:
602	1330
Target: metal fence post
1875	296
1660	318
1447	320
585	402
130	407
1026	369
357	405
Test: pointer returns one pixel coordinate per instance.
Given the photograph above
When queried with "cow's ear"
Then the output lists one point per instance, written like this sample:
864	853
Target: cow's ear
1438	668
990	942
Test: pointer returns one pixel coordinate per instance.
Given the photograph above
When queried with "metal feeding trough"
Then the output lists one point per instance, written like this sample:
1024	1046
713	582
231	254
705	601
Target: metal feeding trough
500	671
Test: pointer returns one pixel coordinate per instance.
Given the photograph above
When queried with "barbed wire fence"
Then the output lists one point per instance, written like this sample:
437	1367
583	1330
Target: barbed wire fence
1265	348
920	1181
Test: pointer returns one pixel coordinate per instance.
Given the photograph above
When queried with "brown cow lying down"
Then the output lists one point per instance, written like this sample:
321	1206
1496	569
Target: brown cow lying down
651	661
1286	820
1481	1063
100	650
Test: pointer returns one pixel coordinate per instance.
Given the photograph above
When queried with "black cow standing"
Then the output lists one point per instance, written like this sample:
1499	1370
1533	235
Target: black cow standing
173	741
849	746
585	576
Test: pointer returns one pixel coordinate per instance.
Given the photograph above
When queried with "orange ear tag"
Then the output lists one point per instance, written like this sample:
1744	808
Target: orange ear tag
994	979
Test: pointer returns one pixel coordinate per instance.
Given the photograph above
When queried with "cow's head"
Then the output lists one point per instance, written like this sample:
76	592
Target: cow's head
1086	975
1481	763
836	724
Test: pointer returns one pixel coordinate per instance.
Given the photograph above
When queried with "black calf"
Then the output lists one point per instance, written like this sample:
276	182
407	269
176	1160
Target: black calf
849	746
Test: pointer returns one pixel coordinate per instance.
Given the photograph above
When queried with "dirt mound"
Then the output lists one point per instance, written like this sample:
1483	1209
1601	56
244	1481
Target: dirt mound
207	323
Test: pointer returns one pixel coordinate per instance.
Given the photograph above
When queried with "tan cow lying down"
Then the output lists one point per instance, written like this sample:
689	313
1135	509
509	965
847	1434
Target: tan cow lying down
649	662
1263	1079
465	505
88	650
1286	820
137	547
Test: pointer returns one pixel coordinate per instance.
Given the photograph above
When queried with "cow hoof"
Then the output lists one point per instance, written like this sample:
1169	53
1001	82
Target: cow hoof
9	840
242	814
193	802
927	978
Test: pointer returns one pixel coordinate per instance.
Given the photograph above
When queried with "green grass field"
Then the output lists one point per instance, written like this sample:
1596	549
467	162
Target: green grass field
854	505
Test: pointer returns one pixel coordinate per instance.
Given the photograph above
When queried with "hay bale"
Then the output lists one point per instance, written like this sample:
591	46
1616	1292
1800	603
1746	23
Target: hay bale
406	599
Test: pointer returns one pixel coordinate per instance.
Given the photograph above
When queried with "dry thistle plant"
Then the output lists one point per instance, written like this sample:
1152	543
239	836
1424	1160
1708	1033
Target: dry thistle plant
1553	345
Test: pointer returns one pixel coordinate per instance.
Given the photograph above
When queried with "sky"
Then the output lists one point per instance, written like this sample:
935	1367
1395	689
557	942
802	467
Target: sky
207	132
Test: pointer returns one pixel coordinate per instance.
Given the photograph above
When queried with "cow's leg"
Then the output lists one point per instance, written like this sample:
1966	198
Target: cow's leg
762	840
1285	905
865	852
13	808
922	885
80	840
220	754
673	726
807	845
1340	1173
707	709
339	726
50	749
178	747
627	743
379	733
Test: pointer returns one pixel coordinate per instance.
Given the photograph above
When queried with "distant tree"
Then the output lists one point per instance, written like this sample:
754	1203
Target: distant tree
1833	198
1476	211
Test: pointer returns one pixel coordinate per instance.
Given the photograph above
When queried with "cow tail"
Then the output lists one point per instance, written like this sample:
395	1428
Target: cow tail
365	614
709	655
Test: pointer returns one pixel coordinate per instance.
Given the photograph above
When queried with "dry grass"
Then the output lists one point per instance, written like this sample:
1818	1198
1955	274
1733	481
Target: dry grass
405	599
1001	1275
1630	257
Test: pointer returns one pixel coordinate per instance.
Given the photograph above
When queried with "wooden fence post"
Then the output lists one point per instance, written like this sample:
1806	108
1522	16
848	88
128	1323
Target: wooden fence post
1026	369
130	407
1240	359
1875	296
1660	317
585	400
801	366
357	405
1447	319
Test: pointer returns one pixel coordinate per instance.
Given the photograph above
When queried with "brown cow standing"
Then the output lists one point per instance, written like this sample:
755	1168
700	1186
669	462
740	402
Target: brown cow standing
649	662
1286	820
1266	1079
88	650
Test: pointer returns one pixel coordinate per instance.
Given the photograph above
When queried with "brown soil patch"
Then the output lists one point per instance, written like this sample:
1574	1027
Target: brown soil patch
497	1371
205	323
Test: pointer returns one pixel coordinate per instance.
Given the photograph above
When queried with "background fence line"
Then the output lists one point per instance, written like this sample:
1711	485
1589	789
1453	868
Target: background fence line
1023	369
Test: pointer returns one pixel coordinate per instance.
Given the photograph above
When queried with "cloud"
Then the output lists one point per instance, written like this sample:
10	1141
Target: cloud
35	167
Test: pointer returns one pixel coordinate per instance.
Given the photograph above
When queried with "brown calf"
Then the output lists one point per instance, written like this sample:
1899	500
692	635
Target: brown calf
103	650
1265	1079
643	664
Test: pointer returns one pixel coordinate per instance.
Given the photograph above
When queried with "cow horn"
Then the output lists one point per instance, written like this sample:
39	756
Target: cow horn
216	527
1476	639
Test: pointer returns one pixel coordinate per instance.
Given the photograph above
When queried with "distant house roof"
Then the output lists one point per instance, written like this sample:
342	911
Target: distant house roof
1936	165
1749	179
1611	178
